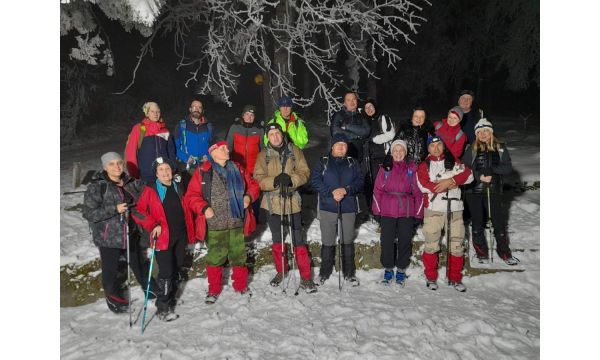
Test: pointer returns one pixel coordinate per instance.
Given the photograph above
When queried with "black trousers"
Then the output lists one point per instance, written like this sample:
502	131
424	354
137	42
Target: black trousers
112	269
275	226
396	254
478	206
171	261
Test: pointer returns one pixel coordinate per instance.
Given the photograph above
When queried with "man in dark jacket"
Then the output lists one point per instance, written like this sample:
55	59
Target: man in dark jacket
337	178
354	125
105	206
470	116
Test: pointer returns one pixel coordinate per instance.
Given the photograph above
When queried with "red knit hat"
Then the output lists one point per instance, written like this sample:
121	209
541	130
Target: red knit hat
216	145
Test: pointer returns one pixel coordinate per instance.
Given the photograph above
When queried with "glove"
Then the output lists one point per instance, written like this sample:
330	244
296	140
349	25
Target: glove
388	162
282	180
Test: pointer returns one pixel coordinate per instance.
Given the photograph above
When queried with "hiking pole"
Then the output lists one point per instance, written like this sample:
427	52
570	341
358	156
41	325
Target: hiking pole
340	241
282	205
149	278
126	236
490	227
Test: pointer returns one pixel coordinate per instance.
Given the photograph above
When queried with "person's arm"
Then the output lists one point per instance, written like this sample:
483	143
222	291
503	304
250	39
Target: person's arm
229	138
131	152
301	173
317	183
336	126
388	133
358	181
504	162
252	189
182	155
423	181
298	133
361	130
141	213
378	192
94	209
193	198
261	173
464	177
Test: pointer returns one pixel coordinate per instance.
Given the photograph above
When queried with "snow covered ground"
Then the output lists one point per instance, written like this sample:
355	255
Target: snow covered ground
498	317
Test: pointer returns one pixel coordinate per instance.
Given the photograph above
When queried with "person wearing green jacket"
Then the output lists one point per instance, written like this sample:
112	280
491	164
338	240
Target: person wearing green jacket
290	122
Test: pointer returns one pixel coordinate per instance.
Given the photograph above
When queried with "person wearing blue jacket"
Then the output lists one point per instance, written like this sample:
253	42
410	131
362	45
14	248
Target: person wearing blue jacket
337	178
193	135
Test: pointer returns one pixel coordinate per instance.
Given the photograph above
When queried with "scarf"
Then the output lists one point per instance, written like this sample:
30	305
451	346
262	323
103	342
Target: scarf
235	187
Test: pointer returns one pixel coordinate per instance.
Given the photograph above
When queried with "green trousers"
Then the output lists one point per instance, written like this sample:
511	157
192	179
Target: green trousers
226	245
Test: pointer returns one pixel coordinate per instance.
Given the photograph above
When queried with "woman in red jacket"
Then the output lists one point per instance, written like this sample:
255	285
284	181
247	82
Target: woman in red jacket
450	132
162	213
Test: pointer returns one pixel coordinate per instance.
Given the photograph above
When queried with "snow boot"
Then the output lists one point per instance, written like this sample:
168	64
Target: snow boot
504	251
303	262
214	275
456	265
430	262
308	286
211	298
511	260
164	303
458	286
480	245
387	276
277	279
240	278
117	304
349	267
400	277
431	285
327	261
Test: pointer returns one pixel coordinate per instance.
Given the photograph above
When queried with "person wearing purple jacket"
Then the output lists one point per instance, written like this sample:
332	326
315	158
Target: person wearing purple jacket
398	200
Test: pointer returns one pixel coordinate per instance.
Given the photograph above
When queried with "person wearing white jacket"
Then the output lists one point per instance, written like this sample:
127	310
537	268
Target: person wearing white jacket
439	178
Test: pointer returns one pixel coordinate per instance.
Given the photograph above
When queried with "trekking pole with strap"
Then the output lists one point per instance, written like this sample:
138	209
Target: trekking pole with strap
448	231
490	227
126	236
283	262
340	242
149	278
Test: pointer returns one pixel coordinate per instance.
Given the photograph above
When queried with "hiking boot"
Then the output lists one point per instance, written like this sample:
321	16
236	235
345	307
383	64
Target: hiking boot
482	259
277	279
211	298
167	316
458	286
308	286
353	280
512	261
245	292
432	285
322	280
387	276
400	277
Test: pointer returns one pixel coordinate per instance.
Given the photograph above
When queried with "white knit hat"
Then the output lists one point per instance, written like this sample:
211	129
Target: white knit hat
483	124
399	142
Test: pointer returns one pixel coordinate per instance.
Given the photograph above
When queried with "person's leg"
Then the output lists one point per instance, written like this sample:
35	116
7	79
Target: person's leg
477	209
165	262
388	236
457	236
404	233
499	222
217	242
111	281
348	251
433	223
237	259
328	224
278	250
300	250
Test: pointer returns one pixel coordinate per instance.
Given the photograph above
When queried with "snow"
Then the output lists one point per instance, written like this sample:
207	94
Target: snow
498	317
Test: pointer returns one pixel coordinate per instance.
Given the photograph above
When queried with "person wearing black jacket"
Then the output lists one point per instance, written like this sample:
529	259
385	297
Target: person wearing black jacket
490	161
337	178
354	125
415	133
470	117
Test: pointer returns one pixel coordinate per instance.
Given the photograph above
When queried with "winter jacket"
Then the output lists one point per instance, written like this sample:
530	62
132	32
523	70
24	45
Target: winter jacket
198	198
140	152
494	163
453	136
356	128
382	134
468	123
294	127
150	213
269	165
100	209
191	139
416	142
330	173
244	144
396	193
428	172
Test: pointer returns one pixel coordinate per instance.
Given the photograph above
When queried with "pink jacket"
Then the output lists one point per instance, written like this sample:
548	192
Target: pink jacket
396	193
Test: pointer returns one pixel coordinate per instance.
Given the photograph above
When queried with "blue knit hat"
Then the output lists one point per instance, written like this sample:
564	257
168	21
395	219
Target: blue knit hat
339	137
285	101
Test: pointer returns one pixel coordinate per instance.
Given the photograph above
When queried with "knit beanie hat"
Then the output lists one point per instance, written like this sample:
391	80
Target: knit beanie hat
249	108
216	146
457	111
108	157
483	124
285	101
399	142
339	137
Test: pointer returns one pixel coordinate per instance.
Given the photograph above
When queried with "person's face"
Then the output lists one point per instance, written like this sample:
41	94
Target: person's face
248	117
196	109
398	152
369	109
418	117
484	135
221	153
453	119
465	102
339	149
350	102
436	148
275	138
285	111
154	113
164	173
114	168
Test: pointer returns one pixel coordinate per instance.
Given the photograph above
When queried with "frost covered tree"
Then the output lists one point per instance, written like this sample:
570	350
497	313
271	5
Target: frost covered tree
214	39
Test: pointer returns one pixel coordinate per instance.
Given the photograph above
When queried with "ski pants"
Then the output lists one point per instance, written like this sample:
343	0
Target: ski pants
275	227
329	227
396	254
170	261
112	268
433	224
226	245
478	204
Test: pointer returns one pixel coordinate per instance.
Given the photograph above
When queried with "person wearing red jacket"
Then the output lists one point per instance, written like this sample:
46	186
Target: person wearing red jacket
219	195
244	139
161	211
147	141
450	132
438	178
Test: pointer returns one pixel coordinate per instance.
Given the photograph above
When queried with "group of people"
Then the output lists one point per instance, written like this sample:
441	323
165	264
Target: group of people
184	186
